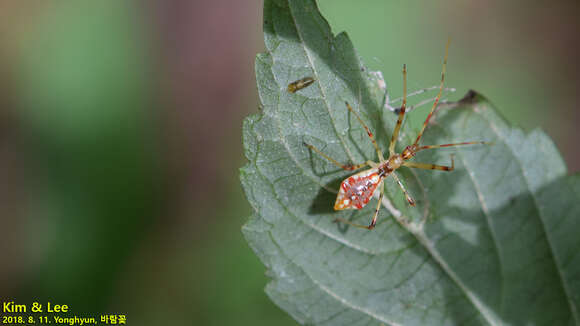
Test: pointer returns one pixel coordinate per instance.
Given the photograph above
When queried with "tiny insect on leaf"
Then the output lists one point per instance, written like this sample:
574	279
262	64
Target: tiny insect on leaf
295	86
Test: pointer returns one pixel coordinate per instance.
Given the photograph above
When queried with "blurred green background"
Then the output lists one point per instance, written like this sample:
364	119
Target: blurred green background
120	135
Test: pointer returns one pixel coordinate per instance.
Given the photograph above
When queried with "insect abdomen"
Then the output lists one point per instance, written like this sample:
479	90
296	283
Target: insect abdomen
356	191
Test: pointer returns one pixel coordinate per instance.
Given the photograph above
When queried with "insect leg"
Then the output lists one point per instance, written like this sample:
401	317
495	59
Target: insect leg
438	95
454	144
360	226
369	133
407	196
374	221
401	114
427	166
348	167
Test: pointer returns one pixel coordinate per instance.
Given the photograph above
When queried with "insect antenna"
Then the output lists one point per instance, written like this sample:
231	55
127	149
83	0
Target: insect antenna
401	114
438	95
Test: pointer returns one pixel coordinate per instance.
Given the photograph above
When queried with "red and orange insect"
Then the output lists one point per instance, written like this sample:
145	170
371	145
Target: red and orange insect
357	190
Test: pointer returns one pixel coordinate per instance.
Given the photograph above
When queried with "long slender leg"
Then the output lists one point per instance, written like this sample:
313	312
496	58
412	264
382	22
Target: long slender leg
427	166
438	95
401	114
369	133
420	148
348	167
374	220
407	196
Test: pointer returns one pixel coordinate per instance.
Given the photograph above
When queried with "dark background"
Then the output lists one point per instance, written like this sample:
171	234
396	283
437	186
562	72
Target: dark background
120	135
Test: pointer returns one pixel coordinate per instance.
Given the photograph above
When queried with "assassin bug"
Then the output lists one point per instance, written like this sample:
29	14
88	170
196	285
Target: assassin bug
300	84
356	190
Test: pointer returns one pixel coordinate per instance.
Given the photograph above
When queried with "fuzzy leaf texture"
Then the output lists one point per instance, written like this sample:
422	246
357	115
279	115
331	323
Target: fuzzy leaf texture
495	242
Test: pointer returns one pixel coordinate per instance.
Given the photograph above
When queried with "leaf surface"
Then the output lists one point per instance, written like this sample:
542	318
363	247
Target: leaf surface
493	242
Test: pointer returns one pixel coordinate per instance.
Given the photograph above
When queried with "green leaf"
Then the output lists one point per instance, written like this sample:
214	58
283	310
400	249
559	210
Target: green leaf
493	242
